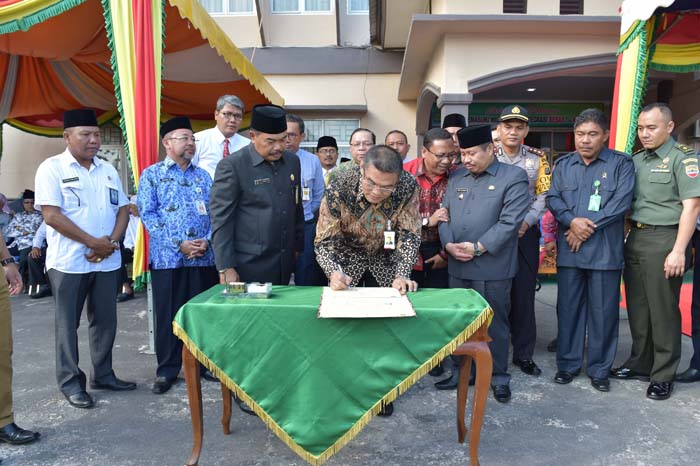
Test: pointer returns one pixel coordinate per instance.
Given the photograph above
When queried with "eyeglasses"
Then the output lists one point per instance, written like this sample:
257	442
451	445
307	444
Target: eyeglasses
185	138
441	157
231	116
328	151
362	144
372	186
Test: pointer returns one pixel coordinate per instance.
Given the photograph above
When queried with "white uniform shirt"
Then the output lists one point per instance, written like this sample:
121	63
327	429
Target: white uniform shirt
210	148
131	231
89	198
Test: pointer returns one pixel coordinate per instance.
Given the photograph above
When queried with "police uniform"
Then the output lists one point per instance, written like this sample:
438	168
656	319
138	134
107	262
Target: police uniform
487	208
522	313
664	178
257	216
91	199
589	279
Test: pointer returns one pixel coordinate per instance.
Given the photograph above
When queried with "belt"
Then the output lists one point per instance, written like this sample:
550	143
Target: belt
644	226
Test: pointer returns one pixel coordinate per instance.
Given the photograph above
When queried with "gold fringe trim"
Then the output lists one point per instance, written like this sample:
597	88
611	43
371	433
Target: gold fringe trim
316	460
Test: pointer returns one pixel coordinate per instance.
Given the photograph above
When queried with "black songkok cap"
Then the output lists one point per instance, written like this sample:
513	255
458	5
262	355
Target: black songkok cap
270	119
79	117
326	141
454	120
173	124
474	136
514	112
28	194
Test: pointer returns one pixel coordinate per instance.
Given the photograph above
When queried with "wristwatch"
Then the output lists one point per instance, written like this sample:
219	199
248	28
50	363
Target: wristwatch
8	261
477	251
114	242
426	221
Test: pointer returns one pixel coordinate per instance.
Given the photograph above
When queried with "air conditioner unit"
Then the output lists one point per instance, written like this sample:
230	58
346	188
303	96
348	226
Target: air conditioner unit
696	130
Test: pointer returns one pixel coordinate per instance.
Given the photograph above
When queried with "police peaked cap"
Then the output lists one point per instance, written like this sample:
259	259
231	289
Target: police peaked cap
514	112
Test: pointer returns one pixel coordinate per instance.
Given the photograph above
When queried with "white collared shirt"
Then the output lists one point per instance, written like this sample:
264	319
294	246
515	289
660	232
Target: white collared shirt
210	148
89	198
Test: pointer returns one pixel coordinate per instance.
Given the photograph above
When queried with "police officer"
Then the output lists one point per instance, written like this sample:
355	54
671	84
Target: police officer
85	210
257	215
513	127
487	201
590	193
664	213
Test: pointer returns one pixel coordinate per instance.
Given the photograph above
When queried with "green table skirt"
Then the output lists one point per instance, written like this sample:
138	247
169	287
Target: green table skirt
317	382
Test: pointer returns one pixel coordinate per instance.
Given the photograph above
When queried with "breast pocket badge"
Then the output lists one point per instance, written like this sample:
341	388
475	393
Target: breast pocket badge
113	196
201	207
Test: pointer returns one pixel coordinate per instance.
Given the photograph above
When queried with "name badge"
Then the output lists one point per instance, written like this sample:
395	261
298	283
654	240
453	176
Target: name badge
260	181
113	196
594	200
306	194
201	207
389	237
69	180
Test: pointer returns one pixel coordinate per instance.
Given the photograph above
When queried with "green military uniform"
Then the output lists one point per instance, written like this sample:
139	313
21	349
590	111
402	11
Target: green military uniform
663	179
5	353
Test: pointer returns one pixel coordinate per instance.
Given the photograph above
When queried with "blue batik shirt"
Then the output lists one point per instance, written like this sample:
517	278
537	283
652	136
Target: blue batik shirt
174	207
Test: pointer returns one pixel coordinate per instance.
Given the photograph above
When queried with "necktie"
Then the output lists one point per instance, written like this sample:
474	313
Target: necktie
226	152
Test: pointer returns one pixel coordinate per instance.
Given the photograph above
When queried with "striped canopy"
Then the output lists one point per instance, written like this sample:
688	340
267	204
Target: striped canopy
658	34
136	62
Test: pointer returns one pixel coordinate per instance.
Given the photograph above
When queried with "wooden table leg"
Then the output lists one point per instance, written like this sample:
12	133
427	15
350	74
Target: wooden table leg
194	394
226	416
462	392
484	367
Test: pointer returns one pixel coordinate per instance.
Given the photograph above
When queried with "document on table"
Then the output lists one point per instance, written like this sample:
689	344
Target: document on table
364	303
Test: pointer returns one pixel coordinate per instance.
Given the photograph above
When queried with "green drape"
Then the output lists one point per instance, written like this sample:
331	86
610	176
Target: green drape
317	382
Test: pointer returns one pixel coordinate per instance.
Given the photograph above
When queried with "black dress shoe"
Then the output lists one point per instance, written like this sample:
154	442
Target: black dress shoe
208	376
501	393
565	377
243	406
115	384
44	291
161	385
659	390
528	366
437	371
449	383
690	375
387	410
80	400
121	297
602	385
552	345
624	373
15	435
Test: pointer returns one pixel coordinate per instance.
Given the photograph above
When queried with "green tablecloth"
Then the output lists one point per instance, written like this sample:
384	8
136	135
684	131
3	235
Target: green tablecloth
317	382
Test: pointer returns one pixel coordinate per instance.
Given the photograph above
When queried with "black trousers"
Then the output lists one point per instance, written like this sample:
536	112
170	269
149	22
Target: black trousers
429	277
37	274
522	296
695	306
127	258
71	291
172	288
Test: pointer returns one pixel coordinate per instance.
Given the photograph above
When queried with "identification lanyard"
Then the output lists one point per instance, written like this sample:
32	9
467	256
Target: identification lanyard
305	192
594	201
389	237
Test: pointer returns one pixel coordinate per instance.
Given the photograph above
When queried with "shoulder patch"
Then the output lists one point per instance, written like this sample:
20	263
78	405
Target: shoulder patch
685	149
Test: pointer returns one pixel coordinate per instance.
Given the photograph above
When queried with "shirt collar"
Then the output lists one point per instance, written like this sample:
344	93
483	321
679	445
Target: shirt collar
663	150
258	159
220	138
604	156
67	159
169	163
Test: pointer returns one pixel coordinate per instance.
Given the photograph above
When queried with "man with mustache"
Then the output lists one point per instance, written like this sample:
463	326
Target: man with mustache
590	193
173	202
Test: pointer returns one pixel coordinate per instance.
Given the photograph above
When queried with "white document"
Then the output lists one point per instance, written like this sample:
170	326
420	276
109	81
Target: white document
364	303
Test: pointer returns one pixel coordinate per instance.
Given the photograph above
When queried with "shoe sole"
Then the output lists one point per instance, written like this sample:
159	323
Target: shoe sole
658	398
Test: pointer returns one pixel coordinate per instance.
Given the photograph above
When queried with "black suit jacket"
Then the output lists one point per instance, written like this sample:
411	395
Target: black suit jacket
257	217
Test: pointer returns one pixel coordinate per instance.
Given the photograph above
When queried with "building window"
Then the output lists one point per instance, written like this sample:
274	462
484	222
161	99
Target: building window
571	7
229	7
339	129
301	6
358	7
515	6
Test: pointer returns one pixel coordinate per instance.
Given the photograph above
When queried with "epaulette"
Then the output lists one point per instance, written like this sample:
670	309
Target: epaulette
638	152
685	149
536	151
